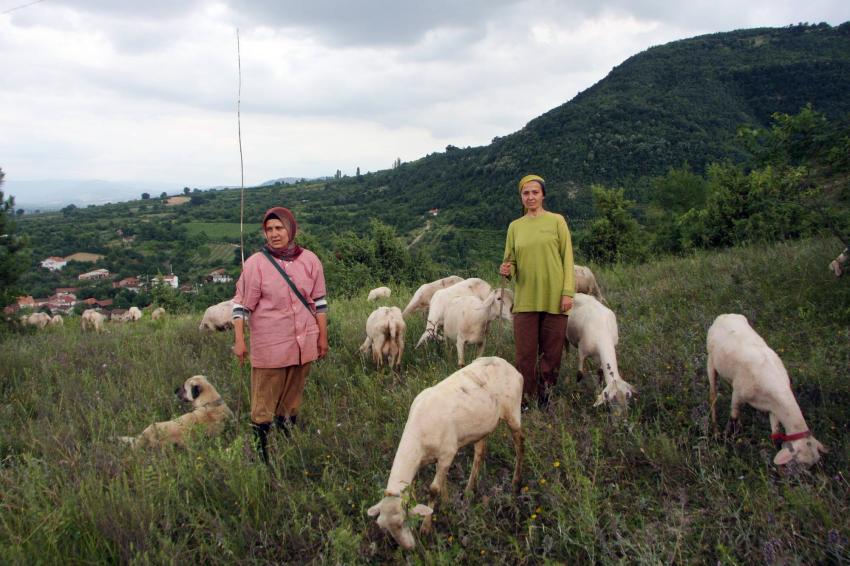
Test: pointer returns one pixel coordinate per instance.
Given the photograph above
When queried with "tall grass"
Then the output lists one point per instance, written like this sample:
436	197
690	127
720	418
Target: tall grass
655	487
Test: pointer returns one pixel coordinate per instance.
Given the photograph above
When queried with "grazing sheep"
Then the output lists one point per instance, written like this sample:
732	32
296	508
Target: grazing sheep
422	297
158	313
92	320
740	356
379	293
586	282
218	317
592	329
120	315
441	298
468	318
837	265
57	320
37	319
463	408
385	330
135	313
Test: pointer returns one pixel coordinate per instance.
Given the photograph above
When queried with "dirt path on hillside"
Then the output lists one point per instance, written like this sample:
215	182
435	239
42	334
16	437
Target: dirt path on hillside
422	233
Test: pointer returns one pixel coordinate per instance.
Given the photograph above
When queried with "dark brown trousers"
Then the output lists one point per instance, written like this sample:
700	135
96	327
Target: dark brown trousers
539	337
277	392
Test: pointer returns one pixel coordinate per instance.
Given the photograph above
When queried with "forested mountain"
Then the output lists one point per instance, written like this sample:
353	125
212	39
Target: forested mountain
675	103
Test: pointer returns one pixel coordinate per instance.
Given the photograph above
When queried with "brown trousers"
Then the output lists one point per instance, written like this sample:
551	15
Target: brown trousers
277	392
539	336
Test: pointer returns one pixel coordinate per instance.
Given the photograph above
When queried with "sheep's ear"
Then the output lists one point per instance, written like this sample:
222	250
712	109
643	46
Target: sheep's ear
821	448
421	510
374	510
783	457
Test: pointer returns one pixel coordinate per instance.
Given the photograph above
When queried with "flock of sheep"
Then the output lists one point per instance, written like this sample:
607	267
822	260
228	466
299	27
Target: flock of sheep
467	406
91	319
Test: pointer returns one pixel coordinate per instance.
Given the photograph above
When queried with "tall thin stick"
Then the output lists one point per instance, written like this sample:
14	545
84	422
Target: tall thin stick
241	159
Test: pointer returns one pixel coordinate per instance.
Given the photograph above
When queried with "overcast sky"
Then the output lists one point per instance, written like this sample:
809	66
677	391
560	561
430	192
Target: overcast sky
121	90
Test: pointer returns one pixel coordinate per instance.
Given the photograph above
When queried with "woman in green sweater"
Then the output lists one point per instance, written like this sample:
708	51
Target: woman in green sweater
539	254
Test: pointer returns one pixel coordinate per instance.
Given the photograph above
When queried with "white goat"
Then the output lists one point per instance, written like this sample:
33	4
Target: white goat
837	265
738	354
37	319
422	297
468	318
592	329
379	293
462	409
92	320
441	298
385	330
586	282
218	317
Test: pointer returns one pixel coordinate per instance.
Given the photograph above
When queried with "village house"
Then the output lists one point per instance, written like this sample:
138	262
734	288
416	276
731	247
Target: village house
130	283
171	280
219	276
62	302
54	263
94	275
97	303
22	302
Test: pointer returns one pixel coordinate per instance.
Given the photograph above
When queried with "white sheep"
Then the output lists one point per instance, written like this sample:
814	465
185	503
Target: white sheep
36	319
57	320
462	409
158	313
135	313
385	330
92	320
592	329
379	293
441	298
218	317
837	265
468	318
740	356
422	297
586	282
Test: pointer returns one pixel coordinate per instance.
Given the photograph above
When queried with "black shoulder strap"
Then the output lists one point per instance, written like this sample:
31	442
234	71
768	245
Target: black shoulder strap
289	281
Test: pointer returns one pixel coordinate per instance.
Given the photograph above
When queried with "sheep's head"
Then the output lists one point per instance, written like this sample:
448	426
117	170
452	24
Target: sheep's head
804	451
503	303
617	394
392	518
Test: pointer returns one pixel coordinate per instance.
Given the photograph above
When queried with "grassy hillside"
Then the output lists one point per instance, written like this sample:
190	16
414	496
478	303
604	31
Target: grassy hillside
655	487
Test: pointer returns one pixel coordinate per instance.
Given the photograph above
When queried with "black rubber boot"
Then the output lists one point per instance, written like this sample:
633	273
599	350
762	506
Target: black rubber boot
261	440
286	424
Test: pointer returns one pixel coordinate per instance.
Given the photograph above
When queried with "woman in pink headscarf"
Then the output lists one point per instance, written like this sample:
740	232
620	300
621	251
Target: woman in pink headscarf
281	293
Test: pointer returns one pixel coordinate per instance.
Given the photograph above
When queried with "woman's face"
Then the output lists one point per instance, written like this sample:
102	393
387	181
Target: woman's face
532	196
277	236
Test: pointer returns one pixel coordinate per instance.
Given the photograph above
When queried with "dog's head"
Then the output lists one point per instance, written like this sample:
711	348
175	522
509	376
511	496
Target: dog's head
197	390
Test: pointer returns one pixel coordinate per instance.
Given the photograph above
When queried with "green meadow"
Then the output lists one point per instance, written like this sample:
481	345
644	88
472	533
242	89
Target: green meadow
653	487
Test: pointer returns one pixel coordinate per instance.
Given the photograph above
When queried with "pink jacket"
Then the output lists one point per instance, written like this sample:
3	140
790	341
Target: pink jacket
283	332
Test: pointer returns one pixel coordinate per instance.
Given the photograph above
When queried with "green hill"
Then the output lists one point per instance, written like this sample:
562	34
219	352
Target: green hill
656	487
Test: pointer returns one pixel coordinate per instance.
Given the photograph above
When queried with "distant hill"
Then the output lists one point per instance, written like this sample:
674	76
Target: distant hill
678	102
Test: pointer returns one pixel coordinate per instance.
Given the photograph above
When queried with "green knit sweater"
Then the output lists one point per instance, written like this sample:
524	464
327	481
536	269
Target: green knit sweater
541	253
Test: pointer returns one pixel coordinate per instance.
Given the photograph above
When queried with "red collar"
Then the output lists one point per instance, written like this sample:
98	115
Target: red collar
789	437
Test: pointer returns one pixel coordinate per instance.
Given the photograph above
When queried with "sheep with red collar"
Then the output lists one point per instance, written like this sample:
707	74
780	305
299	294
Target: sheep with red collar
464	408
740	356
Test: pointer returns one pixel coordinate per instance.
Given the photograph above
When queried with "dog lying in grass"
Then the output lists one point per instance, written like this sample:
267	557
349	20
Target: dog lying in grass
209	412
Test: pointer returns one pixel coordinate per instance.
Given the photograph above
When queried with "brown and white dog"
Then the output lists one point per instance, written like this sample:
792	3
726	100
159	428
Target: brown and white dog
210	413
